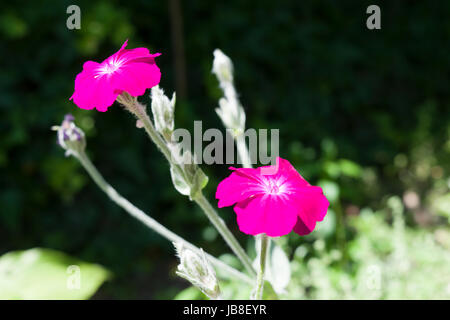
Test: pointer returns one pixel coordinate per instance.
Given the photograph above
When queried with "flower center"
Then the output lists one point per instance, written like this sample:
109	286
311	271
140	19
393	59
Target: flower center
273	187
109	67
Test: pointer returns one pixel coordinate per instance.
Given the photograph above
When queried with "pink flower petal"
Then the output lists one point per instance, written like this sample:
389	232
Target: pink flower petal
131	54
237	187
272	215
136	77
287	170
124	45
130	70
301	229
312	205
91	91
274	201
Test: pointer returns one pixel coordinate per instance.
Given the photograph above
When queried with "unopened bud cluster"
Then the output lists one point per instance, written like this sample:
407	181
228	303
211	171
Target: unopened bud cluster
230	110
163	112
187	177
70	137
197	270
189	180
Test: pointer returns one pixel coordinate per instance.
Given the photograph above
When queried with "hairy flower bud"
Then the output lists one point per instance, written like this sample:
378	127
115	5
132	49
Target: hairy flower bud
70	137
197	270
222	67
190	179
163	112
232	115
230	109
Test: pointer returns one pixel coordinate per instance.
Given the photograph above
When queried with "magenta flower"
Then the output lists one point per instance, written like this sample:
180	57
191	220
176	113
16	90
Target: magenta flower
274	203
127	70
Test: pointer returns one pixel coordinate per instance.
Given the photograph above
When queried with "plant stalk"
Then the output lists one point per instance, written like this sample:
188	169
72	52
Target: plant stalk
139	111
243	151
262	267
224	231
147	220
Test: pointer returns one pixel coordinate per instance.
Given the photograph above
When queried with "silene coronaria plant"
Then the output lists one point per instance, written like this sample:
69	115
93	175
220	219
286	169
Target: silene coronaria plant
269	201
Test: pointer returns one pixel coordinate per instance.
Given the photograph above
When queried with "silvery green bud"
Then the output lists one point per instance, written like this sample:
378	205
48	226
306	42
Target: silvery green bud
232	115
199	181
222	67
188	179
230	109
196	269
70	137
179	182
163	112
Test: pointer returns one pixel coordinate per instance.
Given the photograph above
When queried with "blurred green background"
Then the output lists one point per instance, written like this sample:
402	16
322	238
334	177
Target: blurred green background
364	114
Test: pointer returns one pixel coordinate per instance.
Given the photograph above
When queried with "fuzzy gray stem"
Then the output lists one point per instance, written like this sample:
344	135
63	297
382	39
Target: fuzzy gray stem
262	267
139	111
147	220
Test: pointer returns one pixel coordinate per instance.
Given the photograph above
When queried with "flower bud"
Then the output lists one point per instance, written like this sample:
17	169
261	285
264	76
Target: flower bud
231	114
70	137
222	67
230	110
190	179
196	269
163	112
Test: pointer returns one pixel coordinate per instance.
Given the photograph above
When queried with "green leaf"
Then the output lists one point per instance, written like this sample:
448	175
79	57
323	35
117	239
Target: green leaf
48	274
179	183
199	182
191	293
269	293
332	169
278	268
350	168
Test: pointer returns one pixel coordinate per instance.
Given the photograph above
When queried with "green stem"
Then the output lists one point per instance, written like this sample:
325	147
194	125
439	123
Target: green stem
243	151
262	267
244	155
139	111
147	220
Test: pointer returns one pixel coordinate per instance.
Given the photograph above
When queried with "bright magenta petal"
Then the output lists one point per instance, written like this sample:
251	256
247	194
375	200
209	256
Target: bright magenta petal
130	54
136	77
92	91
288	172
301	229
312	204
274	201
130	70
237	187
272	215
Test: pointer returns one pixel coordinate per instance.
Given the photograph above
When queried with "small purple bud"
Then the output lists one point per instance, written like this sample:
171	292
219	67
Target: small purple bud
68	117
77	135
65	136
70	137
